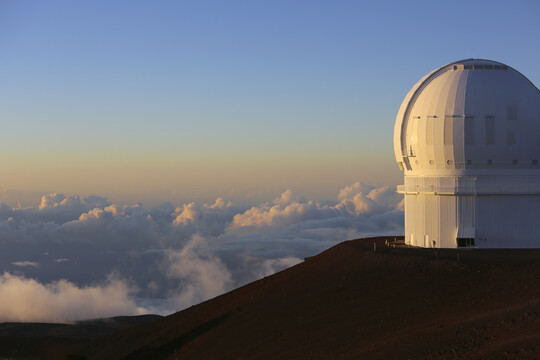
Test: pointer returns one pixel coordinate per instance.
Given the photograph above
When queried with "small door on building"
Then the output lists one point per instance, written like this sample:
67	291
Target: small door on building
465	242
465	237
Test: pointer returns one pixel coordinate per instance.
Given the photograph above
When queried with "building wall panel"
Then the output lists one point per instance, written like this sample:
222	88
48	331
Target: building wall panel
508	221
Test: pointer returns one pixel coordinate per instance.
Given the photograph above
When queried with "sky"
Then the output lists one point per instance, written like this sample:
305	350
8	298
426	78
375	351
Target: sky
160	153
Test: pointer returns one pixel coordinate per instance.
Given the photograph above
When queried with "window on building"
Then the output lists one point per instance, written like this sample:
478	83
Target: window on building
512	112
469	131
510	136
490	130
429	130
448	130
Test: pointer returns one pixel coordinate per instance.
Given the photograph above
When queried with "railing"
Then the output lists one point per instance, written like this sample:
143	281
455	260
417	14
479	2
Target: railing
408	152
470	189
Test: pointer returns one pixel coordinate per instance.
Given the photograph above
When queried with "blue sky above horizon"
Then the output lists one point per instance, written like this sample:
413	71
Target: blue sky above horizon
150	101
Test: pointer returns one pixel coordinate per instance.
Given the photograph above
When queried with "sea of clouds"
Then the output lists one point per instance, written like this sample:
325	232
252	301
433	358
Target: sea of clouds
70	258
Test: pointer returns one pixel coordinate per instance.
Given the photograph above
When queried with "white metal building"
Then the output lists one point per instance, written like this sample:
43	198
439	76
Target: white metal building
467	137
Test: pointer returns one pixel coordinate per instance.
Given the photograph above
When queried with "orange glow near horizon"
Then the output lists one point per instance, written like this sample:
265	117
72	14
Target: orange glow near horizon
120	174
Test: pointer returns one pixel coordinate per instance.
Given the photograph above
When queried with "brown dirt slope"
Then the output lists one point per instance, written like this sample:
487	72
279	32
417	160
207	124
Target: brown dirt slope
350	302
46	341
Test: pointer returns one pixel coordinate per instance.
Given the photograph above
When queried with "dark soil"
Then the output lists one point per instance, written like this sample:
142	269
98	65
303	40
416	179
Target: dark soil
351	302
44	340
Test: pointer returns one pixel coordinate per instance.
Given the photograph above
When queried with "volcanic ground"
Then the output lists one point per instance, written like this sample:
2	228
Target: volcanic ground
361	299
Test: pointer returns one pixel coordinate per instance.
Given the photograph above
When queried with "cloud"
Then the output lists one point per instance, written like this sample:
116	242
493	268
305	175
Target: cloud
53	208
283	211
174	256
272	266
23	299
357	200
25	263
197	273
351	191
207	219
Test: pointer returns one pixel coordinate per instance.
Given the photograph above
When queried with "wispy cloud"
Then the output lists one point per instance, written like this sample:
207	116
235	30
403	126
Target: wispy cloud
25	263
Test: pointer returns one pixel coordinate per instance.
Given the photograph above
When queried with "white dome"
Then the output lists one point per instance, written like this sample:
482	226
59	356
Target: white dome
469	117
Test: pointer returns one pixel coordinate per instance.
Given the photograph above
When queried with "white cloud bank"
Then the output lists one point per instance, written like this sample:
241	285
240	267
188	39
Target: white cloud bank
23	299
172	257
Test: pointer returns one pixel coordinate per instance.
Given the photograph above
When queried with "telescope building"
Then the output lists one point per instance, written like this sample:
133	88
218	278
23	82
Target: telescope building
467	137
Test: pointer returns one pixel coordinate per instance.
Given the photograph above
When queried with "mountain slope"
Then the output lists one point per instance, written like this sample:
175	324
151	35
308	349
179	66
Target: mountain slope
45	340
352	302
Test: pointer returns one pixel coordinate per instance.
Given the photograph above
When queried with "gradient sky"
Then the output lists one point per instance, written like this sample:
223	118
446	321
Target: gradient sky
181	100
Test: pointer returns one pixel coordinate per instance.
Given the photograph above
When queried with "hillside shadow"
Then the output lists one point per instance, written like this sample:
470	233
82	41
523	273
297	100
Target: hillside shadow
167	349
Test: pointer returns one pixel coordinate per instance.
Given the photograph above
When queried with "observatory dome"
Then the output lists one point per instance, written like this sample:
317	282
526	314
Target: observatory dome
469	117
